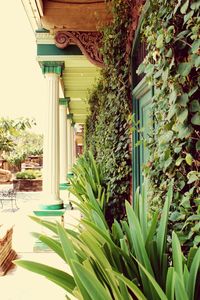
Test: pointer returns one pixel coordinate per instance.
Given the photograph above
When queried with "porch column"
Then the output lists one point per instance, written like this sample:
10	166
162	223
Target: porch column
73	143
63	139
52	72
69	143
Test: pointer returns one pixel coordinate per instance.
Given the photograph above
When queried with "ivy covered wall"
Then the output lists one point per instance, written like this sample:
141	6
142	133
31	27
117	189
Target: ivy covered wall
108	126
171	30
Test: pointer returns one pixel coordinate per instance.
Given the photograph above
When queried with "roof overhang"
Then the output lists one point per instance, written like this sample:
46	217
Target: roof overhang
78	77
72	15
77	21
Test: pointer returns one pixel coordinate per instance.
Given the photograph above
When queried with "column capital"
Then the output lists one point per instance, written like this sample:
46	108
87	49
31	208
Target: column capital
55	67
64	101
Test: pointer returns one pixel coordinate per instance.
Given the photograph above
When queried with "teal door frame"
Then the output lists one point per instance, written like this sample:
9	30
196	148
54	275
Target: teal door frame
137	157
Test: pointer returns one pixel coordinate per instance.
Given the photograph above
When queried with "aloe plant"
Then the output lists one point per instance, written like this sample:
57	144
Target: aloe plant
129	260
88	184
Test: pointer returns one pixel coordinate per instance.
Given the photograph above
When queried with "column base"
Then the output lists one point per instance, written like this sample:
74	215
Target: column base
53	206
70	175
64	186
49	213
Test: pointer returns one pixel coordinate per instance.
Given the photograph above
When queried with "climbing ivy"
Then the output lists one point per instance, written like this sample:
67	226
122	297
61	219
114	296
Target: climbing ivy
172	33
107	127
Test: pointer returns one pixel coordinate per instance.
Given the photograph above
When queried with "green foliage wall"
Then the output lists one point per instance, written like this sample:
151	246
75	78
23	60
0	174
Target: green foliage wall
172	33
107	127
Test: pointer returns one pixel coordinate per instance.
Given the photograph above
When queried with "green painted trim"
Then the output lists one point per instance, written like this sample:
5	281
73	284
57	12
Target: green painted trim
42	30
64	101
137	32
70	175
135	152
52	67
51	206
49	213
139	91
141	88
64	186
136	38
51	49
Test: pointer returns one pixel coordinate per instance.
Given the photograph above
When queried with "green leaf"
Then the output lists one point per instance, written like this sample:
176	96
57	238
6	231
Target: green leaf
173	96
52	244
196	119
184	68
165	74
91	283
177	256
188	16
193	90
182	116
184	131
159	42
170	282
198	145
152	229
195	106
180	291
189	159
179	161
61	278
197	62
154	283
195	46
184	7
183	100
172	111
192	176
67	245
195	5
162	229
137	292
169	53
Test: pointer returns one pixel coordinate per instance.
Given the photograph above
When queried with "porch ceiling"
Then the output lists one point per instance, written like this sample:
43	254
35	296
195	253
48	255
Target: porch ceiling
78	77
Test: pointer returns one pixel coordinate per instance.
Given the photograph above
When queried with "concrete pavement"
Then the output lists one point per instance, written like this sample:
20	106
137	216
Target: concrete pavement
19	284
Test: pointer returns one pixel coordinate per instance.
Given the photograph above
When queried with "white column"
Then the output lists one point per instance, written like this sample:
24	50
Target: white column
73	144
69	145
51	140
63	139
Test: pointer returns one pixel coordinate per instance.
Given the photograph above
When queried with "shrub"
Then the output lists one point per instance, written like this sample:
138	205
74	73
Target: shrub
29	174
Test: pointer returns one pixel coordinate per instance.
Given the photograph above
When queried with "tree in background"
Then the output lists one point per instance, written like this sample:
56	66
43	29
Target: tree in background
10	129
17	143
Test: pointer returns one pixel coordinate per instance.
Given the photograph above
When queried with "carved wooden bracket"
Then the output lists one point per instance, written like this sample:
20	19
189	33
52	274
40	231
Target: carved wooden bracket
88	42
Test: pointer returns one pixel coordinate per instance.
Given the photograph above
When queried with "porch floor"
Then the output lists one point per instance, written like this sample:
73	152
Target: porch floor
18	283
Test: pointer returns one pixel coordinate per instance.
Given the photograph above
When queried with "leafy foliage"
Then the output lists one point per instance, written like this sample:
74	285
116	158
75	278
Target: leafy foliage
88	183
29	174
25	144
107	127
10	129
172	33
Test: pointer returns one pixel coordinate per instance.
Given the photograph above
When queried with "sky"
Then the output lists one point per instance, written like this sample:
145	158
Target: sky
22	85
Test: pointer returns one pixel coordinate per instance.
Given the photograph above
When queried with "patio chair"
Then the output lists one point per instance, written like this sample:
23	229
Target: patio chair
9	195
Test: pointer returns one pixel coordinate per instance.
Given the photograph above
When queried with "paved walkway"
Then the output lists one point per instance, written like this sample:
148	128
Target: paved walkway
19	284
